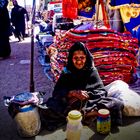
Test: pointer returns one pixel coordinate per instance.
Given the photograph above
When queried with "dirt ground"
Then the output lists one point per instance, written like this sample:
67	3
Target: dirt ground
15	78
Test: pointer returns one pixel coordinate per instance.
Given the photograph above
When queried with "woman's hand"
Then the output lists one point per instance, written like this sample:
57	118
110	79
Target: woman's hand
79	94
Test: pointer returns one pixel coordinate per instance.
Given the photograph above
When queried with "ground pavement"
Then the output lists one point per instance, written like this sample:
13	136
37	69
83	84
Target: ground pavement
15	78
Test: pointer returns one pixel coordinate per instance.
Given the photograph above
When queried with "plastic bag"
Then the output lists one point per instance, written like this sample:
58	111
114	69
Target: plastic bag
120	90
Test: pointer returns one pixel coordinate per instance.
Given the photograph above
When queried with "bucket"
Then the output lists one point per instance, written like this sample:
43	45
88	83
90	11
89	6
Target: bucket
28	121
22	108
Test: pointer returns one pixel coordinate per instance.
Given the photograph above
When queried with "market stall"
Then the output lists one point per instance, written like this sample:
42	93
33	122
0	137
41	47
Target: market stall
114	52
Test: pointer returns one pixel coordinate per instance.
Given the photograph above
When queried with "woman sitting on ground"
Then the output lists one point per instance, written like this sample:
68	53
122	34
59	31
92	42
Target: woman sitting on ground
80	87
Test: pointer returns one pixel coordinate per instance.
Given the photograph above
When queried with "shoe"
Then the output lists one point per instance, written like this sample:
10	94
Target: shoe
19	40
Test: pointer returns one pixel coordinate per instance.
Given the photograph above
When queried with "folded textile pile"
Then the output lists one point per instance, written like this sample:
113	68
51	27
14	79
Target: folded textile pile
114	53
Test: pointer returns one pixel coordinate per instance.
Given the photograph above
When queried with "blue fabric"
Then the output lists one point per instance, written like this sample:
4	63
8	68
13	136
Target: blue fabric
45	26
133	23
136	33
22	97
26	109
87	26
135	1
121	2
87	14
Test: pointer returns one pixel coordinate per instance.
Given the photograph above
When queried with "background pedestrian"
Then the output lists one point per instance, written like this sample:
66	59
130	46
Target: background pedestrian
5	48
18	14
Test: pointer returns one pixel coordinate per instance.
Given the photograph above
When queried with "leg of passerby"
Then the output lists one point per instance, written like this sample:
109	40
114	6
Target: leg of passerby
19	38
17	34
23	32
5	48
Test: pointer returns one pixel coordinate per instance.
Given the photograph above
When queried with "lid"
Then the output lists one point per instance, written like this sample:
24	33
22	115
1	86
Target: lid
103	112
74	114
22	97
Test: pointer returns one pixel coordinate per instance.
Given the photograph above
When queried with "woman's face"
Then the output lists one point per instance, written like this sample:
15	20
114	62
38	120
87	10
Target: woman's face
79	59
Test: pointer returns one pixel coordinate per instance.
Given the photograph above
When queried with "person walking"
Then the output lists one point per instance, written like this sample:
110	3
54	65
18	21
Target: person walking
5	48
18	14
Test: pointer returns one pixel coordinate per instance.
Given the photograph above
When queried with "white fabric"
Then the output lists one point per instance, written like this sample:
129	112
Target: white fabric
120	90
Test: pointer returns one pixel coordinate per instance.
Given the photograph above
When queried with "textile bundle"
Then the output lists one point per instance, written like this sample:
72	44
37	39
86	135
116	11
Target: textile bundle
114	53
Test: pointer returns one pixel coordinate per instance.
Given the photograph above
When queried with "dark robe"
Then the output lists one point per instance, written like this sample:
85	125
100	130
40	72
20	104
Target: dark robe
18	20
86	79
5	48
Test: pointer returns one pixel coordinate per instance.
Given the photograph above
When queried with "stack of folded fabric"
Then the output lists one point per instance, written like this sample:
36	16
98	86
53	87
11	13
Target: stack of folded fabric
114	53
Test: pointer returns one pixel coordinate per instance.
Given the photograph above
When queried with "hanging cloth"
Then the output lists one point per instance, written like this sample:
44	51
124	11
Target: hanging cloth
105	15
69	8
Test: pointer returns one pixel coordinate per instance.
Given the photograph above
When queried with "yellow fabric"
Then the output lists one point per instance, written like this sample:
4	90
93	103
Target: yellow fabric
128	12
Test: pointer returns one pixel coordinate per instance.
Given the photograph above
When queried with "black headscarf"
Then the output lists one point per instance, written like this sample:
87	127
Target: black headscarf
89	58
